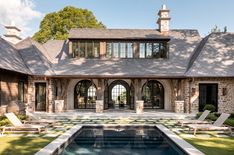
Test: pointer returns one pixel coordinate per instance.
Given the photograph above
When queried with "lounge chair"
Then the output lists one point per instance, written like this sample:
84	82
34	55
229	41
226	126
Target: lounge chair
217	125
19	126
200	120
37	120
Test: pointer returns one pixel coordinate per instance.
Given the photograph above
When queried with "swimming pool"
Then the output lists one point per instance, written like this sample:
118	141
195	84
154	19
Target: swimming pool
121	140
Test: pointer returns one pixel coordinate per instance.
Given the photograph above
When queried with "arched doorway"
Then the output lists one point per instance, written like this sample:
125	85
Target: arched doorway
119	95
85	95
153	95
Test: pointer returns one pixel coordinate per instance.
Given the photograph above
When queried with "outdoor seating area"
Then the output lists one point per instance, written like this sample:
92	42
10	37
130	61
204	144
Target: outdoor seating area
64	123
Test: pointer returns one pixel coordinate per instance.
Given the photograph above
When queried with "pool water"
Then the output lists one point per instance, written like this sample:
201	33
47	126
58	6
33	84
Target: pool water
140	140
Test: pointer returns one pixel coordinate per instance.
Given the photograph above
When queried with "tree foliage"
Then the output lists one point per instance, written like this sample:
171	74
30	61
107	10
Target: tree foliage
217	29
56	25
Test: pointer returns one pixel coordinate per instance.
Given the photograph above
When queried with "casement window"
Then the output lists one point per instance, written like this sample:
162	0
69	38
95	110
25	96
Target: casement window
85	49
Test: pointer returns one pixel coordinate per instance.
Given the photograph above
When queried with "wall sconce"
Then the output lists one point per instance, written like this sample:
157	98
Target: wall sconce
193	91
224	91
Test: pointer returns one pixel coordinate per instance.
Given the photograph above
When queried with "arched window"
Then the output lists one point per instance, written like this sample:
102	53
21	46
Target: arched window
153	95
85	95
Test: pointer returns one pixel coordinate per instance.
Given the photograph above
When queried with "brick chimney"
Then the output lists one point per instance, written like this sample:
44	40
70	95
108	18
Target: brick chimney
12	33
164	20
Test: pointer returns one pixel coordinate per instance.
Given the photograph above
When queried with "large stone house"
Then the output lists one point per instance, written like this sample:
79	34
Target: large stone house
137	69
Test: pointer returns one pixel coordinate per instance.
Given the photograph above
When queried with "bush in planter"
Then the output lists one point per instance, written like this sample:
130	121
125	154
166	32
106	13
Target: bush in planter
209	107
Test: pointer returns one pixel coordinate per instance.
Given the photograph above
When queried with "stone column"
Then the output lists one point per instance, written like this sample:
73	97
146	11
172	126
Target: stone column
99	106
31	94
179	106
51	95
139	106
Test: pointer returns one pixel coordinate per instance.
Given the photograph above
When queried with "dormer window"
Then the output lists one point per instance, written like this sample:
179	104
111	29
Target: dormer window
119	50
153	50
85	49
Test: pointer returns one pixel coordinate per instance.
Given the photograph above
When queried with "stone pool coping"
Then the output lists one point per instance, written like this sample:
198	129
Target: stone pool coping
56	146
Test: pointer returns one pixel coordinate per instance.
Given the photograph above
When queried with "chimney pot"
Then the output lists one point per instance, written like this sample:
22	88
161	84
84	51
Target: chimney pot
12	33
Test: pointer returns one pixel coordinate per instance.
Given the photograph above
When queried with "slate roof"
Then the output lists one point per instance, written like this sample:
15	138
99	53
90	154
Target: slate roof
182	44
92	33
189	56
35	57
214	57
58	49
10	59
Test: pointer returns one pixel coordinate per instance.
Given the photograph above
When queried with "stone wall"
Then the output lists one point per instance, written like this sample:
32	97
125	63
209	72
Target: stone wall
50	92
9	91
225	101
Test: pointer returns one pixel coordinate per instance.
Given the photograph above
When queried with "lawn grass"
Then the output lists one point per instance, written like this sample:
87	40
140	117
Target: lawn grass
213	145
21	145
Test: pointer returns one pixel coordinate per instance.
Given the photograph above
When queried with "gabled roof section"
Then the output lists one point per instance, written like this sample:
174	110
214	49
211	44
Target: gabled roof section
92	33
35	57
10	59
58	49
215	58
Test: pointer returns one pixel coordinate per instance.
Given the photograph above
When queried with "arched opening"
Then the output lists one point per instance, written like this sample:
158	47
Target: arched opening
118	95
153	95
85	95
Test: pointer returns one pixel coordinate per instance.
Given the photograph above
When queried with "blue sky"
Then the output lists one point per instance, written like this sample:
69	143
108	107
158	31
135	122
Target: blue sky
186	14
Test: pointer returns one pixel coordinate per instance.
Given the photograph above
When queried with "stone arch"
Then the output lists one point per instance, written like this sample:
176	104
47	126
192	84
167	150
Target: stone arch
167	92
70	91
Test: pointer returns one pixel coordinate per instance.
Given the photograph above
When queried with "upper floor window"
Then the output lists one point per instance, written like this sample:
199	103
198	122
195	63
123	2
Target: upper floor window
119	50
153	50
86	49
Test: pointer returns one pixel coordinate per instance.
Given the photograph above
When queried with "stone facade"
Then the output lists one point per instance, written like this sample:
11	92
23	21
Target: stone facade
186	91
225	100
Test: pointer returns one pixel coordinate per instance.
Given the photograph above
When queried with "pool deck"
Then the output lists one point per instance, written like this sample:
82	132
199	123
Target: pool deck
114	114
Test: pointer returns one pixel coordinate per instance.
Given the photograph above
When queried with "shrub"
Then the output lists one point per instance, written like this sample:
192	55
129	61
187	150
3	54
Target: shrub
230	122
232	115
210	107
198	114
212	117
4	122
217	114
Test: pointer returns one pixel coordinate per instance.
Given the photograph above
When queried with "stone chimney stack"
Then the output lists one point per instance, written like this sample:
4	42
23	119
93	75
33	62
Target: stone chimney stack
164	20
12	34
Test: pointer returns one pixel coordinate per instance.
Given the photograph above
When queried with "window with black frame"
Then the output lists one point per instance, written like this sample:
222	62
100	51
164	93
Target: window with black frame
153	95
85	95
85	49
153	50
119	50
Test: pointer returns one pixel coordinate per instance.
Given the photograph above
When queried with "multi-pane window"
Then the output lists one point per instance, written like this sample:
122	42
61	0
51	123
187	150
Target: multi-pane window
153	50
114	49
119	50
21	91
129	50
86	49
109	49
142	50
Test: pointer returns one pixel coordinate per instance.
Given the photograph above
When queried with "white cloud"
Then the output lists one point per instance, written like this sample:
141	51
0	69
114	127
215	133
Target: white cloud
21	12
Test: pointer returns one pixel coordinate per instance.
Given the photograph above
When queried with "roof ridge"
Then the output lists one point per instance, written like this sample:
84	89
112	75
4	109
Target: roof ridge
198	50
50	65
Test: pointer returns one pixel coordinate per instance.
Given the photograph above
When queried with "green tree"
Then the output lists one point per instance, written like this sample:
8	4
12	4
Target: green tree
56	25
217	29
